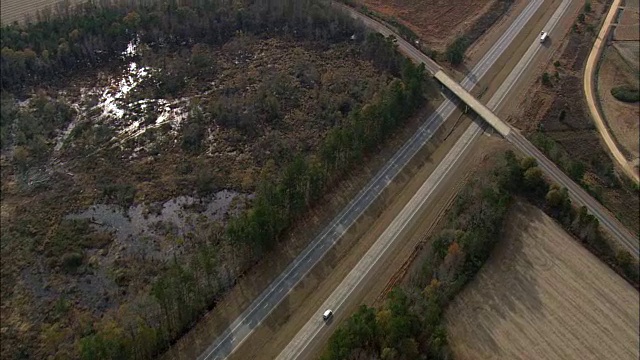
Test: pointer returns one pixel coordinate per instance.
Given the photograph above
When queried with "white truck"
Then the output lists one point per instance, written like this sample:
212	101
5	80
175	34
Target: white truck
543	36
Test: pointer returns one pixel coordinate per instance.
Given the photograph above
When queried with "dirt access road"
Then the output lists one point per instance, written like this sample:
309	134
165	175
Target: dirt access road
592	101
542	295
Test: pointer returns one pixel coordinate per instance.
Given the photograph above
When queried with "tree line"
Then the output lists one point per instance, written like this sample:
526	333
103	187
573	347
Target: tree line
525	179
184	292
409	324
304	181
93	35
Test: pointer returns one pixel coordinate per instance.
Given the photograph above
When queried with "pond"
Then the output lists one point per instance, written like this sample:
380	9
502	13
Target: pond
157	230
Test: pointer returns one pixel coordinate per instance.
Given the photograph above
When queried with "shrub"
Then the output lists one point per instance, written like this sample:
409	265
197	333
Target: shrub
546	79
626	93
192	138
581	18
120	194
71	261
455	51
628	265
563	115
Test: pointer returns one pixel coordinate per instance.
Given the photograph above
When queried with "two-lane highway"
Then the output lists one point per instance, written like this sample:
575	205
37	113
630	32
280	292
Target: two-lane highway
273	295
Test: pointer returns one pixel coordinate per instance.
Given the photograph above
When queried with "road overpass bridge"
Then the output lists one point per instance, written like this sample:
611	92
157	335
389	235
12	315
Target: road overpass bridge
500	126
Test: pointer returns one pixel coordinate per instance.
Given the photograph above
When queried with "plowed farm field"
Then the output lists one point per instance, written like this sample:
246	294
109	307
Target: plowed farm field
438	22
542	295
16	10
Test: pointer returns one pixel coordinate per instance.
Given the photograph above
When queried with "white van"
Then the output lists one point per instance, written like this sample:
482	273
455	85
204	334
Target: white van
327	315
543	36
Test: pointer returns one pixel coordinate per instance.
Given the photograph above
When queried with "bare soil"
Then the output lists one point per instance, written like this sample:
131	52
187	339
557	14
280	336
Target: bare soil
621	117
542	295
437	22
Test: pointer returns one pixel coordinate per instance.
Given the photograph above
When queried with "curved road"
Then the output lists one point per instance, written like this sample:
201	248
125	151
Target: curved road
264	304
591	93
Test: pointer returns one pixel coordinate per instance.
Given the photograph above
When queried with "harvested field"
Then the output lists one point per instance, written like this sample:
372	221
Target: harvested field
621	117
629	50
21	10
532	300
454	17
627	28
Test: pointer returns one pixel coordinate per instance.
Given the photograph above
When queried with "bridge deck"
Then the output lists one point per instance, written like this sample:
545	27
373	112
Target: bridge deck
499	125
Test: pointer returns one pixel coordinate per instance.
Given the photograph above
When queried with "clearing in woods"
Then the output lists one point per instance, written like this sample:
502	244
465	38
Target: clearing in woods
542	295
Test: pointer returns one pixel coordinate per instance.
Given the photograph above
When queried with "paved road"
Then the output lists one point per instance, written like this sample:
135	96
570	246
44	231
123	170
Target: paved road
298	345
590	94
403	221
262	306
578	195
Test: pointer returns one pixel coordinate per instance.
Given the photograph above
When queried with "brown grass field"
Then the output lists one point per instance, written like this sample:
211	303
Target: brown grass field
622	118
542	295
454	17
627	28
15	10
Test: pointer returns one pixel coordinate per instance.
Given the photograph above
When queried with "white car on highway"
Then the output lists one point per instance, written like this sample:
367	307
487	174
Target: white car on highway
327	314
543	36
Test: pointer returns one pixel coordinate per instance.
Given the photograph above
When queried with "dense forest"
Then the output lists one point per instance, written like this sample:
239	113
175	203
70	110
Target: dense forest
410	323
58	50
53	48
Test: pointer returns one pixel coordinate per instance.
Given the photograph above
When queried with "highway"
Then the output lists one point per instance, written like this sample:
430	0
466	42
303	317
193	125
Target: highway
620	234
266	302
299	344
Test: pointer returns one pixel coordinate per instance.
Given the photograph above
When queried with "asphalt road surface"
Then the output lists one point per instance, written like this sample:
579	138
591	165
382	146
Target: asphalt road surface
623	236
298	345
264	304
407	216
